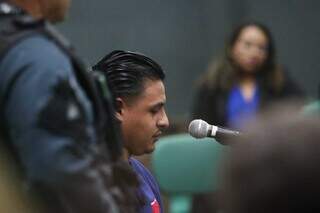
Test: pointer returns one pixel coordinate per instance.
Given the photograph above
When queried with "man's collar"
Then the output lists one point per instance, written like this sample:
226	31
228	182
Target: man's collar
9	9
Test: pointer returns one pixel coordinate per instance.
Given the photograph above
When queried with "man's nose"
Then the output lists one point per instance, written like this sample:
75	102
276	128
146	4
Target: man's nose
163	122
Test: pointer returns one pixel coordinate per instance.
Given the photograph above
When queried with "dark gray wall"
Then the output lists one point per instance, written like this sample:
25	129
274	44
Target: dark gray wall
183	35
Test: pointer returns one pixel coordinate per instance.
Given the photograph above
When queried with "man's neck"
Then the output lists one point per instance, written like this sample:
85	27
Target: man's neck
125	155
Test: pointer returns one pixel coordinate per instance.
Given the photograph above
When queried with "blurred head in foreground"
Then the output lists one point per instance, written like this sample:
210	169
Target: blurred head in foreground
275	167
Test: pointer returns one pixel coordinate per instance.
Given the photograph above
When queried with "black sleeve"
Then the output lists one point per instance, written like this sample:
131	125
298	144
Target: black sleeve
206	106
291	88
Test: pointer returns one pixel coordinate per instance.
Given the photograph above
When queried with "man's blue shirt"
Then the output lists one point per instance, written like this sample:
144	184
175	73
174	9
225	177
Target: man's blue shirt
149	188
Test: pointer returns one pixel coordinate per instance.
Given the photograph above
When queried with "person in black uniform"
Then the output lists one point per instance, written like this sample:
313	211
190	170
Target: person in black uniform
53	120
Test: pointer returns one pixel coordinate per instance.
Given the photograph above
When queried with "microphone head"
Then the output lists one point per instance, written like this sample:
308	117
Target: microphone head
198	128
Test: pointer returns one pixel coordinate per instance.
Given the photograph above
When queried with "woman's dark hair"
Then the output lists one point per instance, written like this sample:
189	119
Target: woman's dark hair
223	73
127	71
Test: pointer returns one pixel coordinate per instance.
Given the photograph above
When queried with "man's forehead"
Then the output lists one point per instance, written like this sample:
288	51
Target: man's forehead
154	92
152	87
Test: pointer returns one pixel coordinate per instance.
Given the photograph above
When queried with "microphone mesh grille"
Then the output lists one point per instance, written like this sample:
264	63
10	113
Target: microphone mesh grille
198	128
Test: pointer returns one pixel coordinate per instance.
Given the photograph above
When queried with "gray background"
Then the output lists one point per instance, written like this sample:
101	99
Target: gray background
184	35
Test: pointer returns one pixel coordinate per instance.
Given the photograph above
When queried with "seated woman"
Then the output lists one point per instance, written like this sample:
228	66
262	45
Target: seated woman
245	80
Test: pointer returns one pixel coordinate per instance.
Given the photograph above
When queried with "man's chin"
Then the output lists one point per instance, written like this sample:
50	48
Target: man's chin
150	150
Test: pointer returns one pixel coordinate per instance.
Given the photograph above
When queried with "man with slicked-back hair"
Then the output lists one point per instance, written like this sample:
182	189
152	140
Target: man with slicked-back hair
136	84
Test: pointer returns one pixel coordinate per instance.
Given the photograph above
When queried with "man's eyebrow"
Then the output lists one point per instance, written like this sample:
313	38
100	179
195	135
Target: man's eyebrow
159	104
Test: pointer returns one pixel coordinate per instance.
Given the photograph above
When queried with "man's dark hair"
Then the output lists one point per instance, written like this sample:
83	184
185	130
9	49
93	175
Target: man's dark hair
127	71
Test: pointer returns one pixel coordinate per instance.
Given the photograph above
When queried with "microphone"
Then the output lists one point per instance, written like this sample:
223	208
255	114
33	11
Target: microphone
200	129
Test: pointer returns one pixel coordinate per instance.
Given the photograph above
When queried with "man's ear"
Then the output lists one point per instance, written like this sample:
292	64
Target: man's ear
120	104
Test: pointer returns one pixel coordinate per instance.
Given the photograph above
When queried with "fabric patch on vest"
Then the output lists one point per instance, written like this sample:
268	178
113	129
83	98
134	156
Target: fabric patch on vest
63	114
